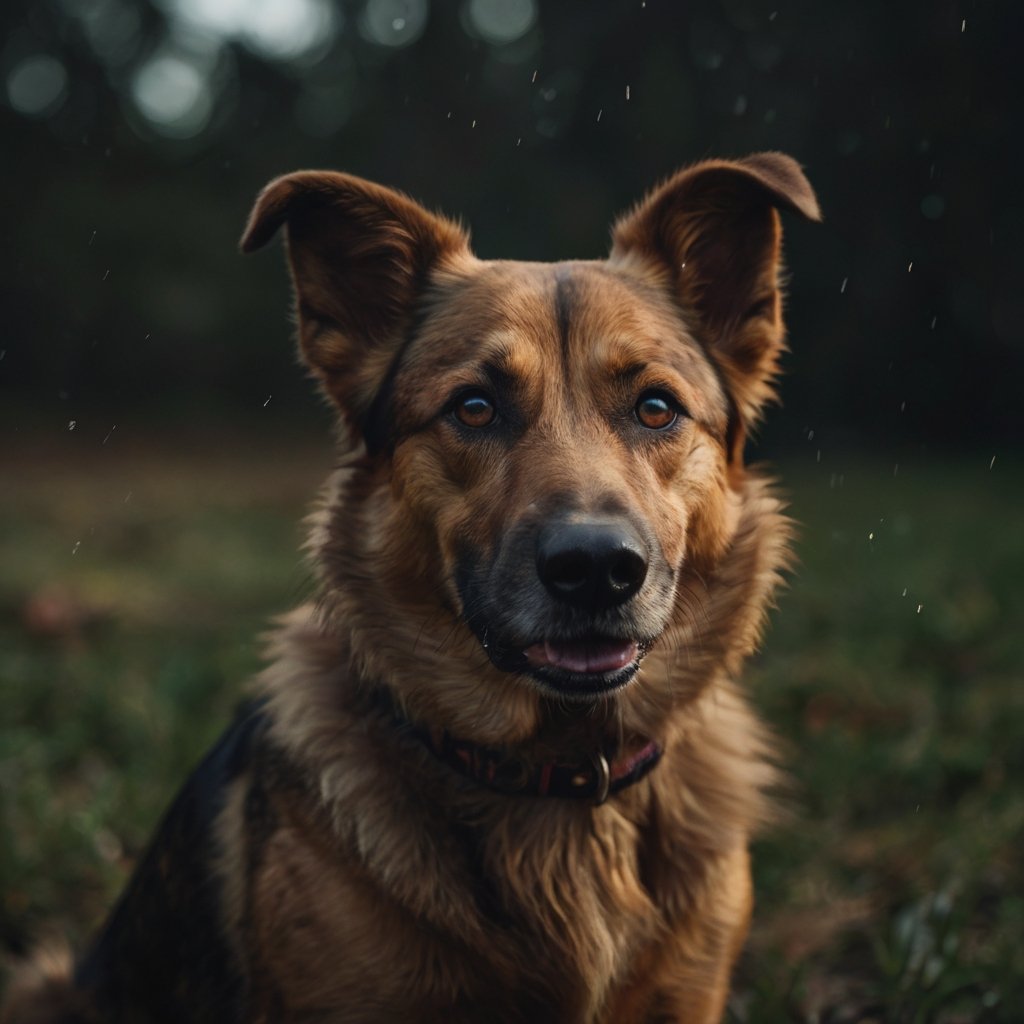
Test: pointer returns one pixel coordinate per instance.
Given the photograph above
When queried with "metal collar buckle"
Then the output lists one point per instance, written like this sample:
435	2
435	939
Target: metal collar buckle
604	777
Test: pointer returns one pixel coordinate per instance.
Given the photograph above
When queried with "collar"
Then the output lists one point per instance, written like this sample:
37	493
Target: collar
594	779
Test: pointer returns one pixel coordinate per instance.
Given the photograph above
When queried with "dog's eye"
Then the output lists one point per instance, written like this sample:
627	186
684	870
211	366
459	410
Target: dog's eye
474	409
655	410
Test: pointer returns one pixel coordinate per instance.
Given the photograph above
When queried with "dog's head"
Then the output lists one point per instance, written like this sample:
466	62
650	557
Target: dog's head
545	455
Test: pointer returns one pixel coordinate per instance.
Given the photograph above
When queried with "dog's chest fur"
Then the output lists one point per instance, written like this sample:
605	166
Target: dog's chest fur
382	887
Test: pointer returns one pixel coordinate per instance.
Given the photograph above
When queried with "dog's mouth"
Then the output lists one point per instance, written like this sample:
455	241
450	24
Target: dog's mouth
578	669
588	667
591	656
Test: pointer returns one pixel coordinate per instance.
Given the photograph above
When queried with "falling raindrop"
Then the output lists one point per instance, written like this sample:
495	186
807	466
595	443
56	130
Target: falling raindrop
72	424
267	402
74	550
627	93
842	287
992	463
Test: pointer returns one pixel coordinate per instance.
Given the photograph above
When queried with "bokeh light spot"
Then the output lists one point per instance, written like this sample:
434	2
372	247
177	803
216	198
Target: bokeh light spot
394	23
37	85
933	206
502	21
278	29
173	95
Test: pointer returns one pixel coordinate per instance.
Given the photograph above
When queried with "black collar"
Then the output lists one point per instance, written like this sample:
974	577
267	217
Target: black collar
595	779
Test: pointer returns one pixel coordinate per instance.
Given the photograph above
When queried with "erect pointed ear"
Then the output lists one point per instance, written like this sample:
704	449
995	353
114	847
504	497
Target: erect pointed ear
713	232
361	256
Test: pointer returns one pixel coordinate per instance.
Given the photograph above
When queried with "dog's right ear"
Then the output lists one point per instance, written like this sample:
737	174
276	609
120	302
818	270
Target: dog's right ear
361	256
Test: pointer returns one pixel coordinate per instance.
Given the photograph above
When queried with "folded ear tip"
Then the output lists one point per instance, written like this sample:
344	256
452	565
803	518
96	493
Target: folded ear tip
786	177
268	213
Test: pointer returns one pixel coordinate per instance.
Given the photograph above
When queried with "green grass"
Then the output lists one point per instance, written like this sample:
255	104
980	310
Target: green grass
135	586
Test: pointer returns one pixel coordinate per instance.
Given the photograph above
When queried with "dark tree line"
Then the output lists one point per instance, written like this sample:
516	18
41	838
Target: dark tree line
122	288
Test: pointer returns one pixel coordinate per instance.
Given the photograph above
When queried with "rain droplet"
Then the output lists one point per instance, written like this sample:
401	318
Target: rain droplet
128	497
910	266
871	536
267	402
842	287
74	550
963	25
992	463
106	275
627	93
72	424
109	432
92	238
919	607
935	320
534	79
599	113
473	125
904	594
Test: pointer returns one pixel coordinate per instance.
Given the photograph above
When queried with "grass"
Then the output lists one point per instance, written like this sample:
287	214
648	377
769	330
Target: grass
135	585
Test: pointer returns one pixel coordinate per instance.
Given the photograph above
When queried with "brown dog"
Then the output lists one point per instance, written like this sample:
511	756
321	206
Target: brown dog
502	770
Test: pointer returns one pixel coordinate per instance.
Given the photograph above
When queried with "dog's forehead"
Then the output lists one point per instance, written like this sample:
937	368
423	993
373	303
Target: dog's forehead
573	319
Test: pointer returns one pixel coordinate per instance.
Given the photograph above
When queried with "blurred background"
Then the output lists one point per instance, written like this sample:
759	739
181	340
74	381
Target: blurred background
158	442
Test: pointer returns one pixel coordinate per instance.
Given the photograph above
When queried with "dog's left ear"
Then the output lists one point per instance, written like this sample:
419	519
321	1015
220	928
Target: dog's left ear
713	230
361	258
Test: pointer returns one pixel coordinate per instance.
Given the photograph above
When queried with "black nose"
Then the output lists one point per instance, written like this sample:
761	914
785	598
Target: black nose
591	564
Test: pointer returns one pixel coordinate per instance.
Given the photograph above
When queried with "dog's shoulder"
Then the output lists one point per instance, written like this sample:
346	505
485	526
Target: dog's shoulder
164	952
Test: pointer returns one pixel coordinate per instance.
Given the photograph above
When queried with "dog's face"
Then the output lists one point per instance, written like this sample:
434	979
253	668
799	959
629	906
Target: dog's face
552	447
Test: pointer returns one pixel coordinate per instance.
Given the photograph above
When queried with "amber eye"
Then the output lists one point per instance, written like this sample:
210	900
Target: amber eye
474	409
655	411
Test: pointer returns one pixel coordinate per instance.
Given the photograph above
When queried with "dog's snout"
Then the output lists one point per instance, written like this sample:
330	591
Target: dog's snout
592	564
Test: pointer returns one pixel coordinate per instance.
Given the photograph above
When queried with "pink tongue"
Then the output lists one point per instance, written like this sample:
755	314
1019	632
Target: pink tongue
594	657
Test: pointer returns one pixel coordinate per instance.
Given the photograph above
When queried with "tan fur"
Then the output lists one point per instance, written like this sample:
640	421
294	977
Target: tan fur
360	878
40	991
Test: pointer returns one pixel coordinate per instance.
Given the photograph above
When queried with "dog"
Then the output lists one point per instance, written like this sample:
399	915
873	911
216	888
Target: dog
501	769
